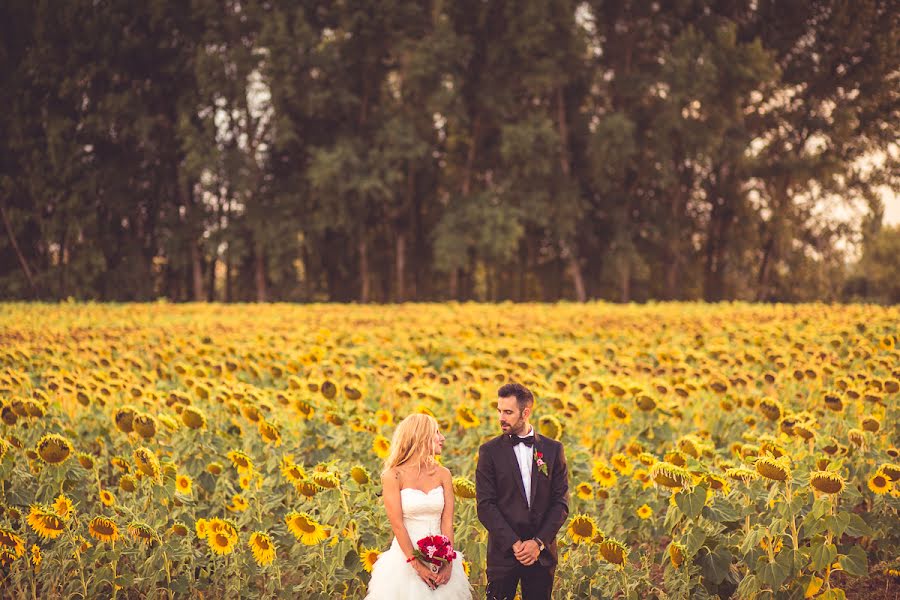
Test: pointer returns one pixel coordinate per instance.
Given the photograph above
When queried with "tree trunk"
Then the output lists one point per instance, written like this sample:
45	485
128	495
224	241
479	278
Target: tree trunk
625	282
211	281
22	262
259	263
228	272
401	267
196	270
363	270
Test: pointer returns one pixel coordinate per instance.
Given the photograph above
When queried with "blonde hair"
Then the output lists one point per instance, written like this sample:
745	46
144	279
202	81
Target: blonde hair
413	441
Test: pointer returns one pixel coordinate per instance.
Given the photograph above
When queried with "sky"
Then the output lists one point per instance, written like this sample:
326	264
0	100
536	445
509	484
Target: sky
891	208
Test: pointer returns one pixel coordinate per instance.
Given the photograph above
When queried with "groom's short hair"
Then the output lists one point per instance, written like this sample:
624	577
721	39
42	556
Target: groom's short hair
524	397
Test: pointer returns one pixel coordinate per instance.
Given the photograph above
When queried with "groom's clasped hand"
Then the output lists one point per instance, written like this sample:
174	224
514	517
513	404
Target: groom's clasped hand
526	552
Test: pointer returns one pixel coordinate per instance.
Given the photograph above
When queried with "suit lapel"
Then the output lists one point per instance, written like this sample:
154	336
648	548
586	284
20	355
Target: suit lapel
510	455
535	473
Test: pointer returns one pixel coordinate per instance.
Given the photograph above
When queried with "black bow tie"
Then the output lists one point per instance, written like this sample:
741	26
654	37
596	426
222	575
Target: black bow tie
528	441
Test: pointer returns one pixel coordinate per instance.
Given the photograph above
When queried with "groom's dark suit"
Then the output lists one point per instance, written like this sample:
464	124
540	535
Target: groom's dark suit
504	512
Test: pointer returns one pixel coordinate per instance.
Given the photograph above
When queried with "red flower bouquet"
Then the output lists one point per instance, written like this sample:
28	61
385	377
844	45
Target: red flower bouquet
434	550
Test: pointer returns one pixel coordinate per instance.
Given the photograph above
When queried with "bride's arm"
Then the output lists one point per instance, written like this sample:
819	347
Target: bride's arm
391	496
447	514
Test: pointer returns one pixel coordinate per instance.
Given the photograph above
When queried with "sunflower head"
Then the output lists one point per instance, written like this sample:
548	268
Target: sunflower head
147	462
826	482
771	408
142	532
463	487
669	475
360	475
183	484
124	418
45	522
368	556
880	483
193	417
262	547
54	449
550	426
381	446
676	554
305	528
63	507
240	461
145	425
11	542
613	551
103	529
582	528
776	469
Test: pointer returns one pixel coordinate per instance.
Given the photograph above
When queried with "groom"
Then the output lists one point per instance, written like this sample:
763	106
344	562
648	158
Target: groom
522	490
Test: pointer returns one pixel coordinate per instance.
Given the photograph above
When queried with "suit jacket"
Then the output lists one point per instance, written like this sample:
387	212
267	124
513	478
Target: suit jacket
503	508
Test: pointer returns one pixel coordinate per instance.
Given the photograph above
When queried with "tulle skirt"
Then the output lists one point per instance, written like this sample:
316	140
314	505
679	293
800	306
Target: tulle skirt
395	579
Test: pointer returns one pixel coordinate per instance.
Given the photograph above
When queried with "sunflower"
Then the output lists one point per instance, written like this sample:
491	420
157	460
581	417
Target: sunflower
771	408
269	433
183	484
36	557
179	528
879	483
45	522
240	461
584	490
54	449
214	468
142	532
582	528
221	543
669	475
383	418
147	463
613	551
103	529
826	482
85	460
262	547
891	470
466	417
107	498
238	504
741	474
63	507
381	446
645	512
645	402
676	554
202	528
292	472
856	436
871	424
360	475
621	463
12	542
550	426
886	342
305	528
603	475
145	425
193	417
619	413
123	418
463	487
326	480
368	556
127	483
307	487
774	469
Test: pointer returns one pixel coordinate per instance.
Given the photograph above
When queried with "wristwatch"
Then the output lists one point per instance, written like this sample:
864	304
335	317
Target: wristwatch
539	543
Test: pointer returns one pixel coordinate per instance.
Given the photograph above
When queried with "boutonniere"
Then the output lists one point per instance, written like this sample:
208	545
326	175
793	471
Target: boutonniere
539	459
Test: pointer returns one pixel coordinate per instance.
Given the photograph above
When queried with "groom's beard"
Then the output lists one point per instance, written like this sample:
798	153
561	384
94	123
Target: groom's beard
517	428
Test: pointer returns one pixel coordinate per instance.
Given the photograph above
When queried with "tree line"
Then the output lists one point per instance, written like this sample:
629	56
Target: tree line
382	151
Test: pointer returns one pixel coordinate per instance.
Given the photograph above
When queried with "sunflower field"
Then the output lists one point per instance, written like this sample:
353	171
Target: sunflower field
190	450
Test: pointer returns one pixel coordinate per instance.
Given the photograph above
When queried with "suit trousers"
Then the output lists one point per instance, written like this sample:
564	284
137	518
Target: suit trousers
537	583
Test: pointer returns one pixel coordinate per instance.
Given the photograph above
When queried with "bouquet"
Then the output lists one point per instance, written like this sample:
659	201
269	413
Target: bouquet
434	550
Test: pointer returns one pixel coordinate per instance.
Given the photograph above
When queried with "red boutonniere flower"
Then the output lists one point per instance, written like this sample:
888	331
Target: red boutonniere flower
539	459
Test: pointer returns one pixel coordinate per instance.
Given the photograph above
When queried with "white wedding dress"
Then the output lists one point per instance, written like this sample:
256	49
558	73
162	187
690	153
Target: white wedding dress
395	579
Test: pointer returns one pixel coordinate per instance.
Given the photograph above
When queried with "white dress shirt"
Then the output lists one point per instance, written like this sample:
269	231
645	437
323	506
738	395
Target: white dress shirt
525	458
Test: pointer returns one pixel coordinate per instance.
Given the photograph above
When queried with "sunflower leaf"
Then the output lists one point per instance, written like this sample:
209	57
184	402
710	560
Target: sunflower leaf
691	502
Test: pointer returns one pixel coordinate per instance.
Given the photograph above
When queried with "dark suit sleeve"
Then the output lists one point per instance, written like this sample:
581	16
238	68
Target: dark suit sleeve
486	495
558	511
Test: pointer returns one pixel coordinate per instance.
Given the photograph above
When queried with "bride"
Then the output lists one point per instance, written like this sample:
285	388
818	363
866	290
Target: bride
418	498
